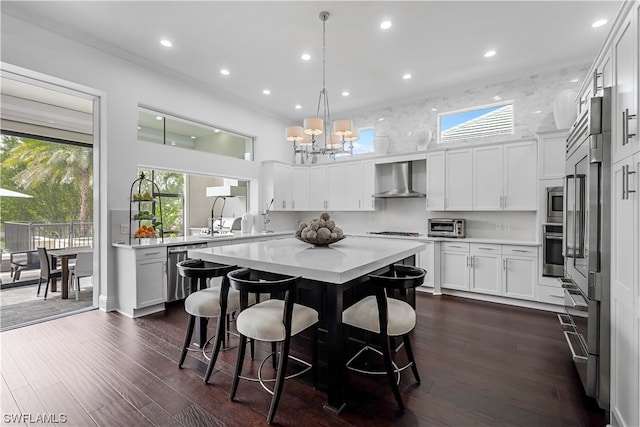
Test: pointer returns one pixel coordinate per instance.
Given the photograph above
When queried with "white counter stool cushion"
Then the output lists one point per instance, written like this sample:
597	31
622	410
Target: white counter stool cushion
272	321
396	316
263	321
207	303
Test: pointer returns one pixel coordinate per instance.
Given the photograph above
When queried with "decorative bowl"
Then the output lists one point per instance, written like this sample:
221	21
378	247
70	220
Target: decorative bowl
316	243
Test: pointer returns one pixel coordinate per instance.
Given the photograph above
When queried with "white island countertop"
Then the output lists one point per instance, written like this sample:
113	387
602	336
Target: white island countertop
236	236
339	263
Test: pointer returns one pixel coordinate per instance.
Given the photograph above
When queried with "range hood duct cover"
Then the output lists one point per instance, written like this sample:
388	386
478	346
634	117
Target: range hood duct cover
401	182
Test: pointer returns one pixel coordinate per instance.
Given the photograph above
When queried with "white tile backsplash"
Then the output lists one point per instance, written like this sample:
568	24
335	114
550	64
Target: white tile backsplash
533	95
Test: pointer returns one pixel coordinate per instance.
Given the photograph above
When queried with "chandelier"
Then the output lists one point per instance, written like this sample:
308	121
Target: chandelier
306	139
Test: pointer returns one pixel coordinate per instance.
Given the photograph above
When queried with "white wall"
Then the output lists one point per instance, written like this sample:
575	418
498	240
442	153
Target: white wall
127	85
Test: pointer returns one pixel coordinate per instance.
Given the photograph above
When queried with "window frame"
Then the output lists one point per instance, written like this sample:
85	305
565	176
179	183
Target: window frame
510	102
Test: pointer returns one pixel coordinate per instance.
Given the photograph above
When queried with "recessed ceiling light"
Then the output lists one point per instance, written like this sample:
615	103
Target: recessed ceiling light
537	112
193	137
385	25
305	57
266	92
434	109
406	76
224	72
216	130
345	93
599	23
139	127
381	119
574	80
158	117
166	43
497	98
298	106
489	53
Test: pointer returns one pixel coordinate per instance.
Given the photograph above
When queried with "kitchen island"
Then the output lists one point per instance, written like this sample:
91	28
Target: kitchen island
327	273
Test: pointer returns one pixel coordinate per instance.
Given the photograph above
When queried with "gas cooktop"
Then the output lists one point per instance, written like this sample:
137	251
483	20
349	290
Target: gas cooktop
396	233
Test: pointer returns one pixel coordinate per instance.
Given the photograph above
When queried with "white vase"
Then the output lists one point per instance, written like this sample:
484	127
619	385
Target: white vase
381	145
423	137
565	110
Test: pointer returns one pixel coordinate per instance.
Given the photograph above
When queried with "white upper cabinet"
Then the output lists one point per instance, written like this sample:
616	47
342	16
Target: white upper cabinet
318	188
368	185
552	153
520	176
435	181
488	193
335	187
458	180
300	188
359	186
625	80
276	184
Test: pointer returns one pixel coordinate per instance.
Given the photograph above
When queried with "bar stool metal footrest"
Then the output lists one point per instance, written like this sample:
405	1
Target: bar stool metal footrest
262	381
396	369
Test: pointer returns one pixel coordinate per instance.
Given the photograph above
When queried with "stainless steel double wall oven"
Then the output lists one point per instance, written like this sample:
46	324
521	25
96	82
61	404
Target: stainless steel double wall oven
587	223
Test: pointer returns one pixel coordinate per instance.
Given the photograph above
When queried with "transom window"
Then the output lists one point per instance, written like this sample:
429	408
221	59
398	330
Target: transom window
477	122
161	128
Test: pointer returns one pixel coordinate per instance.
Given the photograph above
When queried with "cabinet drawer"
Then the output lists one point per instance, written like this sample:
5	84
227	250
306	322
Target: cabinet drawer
455	246
551	294
520	250
481	248
149	253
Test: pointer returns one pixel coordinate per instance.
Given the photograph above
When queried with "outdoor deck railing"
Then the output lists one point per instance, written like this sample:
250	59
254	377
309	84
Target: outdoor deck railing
24	236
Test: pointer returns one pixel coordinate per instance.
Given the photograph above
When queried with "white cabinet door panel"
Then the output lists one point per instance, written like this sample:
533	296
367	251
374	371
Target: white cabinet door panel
520	176
459	180
487	178
435	181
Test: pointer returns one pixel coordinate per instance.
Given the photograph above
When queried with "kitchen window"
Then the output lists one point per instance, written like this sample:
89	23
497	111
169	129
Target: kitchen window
162	128
364	145
171	187
477	122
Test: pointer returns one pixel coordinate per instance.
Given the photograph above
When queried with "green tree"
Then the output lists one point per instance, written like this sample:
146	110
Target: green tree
59	176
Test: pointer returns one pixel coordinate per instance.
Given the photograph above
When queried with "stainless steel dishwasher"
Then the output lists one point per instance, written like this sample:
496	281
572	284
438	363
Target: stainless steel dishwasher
177	286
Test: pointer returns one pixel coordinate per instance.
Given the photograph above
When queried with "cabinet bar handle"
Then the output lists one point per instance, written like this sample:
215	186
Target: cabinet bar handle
467	260
596	74
520	250
625	182
504	264
151	253
626	136
487	249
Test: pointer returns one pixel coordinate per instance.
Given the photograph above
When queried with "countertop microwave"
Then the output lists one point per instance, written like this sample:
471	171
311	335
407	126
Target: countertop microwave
446	227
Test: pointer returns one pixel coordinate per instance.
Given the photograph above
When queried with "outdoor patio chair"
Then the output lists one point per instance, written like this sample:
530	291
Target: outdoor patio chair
46	273
83	267
21	261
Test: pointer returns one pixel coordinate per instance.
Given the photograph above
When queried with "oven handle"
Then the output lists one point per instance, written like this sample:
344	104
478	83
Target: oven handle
576	358
552	236
580	306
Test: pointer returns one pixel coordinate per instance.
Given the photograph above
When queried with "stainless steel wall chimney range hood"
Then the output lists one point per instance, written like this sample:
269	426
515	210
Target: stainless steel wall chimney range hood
401	173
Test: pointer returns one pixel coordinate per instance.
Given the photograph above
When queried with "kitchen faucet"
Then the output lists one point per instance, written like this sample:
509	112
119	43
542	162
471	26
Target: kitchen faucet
212	219
266	219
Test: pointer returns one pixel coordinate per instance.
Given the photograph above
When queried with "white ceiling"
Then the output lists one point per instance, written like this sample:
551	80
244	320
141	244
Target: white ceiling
441	43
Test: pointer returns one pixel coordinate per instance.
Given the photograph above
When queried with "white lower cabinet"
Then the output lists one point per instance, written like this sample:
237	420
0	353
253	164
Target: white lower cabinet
625	292
425	260
141	280
519	271
502	270
485	269
454	266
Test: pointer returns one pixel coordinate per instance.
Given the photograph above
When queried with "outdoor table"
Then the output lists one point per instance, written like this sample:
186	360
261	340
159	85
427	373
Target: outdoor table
65	255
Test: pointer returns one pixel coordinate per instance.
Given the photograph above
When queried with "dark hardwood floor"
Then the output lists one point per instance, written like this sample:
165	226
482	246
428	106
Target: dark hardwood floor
481	364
